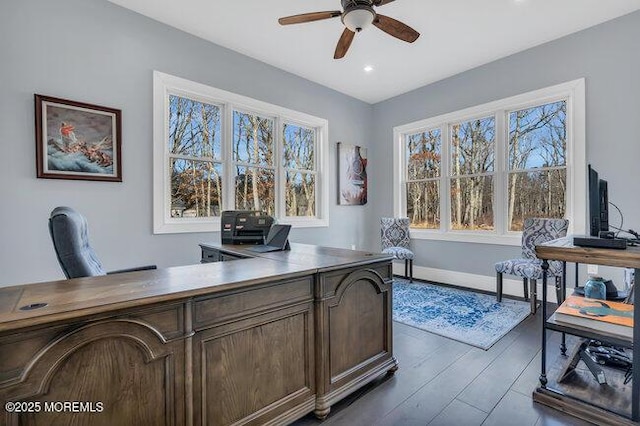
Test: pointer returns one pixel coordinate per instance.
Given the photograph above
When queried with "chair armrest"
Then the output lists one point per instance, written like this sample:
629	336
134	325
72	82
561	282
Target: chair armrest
139	268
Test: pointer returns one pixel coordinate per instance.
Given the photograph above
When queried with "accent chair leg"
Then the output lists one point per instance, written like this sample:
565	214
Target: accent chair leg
534	295
406	268
410	270
499	287
525	286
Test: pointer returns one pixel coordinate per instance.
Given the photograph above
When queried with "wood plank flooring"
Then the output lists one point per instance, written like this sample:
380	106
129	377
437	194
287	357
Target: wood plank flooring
443	382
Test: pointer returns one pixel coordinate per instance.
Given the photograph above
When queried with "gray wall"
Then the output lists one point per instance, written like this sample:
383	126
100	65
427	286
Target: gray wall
606	56
96	52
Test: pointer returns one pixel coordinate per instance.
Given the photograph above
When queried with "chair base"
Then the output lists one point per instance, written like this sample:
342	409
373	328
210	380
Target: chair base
534	289
408	269
532	298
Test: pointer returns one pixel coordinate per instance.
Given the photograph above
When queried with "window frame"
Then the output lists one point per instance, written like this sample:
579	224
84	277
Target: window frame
165	85
573	92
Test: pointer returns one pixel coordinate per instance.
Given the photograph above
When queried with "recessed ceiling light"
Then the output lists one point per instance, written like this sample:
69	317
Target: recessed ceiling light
368	68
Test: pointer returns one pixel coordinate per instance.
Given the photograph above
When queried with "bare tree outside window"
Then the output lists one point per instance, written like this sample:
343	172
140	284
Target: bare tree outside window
537	163
423	158
478	173
300	170
472	146
215	150
253	153
194	145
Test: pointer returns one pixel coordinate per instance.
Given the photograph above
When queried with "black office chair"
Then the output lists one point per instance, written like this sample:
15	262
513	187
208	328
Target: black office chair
69	233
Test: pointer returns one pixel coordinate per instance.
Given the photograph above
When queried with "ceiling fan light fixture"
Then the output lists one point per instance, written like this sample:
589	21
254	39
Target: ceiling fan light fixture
358	19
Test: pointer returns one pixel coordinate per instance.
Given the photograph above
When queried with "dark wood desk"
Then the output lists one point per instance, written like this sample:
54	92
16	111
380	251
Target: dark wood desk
263	340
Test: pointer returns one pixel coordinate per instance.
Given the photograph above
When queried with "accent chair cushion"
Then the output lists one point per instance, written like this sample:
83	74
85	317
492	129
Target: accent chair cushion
528	268
399	253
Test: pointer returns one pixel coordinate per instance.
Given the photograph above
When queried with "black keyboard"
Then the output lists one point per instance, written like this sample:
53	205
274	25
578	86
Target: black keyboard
611	243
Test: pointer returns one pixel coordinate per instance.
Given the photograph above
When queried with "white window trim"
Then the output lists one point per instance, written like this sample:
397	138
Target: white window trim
163	86
573	92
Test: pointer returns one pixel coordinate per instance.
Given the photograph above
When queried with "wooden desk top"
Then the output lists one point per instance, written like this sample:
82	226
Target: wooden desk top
87	296
563	249
321	258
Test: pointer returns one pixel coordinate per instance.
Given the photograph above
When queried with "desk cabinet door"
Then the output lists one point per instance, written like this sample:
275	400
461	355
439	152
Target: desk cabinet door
354	334
255	371
120	370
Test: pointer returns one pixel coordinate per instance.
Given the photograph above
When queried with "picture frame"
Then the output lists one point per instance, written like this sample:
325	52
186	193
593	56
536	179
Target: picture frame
352	175
77	140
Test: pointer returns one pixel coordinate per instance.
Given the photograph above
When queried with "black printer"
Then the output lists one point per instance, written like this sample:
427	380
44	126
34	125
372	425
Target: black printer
244	226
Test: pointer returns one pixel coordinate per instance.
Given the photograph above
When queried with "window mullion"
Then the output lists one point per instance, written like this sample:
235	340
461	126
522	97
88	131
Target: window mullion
472	175
404	179
500	189
192	158
445	181
308	172
229	201
278	150
254	165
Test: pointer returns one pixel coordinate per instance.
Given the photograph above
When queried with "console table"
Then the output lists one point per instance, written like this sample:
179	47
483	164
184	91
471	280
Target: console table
606	405
262	340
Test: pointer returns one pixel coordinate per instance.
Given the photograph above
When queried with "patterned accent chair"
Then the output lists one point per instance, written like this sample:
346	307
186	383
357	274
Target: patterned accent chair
529	267
394	233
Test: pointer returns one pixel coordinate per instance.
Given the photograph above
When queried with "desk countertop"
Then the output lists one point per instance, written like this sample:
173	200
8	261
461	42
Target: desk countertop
563	249
317	257
78	297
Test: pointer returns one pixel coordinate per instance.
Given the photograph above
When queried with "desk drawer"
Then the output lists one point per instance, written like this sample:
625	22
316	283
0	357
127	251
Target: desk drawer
214	310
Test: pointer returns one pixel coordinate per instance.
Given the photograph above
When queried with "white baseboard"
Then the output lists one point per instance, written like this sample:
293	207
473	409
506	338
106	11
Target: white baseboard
510	286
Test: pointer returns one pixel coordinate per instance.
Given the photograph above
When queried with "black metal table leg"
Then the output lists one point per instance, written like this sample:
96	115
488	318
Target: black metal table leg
635	387
543	373
563	294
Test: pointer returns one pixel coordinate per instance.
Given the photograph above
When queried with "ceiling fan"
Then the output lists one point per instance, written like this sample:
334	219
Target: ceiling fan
356	16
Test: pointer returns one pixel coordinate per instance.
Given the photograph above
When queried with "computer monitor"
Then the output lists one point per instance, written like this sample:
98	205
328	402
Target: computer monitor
598	204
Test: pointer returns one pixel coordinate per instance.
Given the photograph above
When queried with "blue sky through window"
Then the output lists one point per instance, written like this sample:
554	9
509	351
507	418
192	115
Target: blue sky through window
194	128
537	136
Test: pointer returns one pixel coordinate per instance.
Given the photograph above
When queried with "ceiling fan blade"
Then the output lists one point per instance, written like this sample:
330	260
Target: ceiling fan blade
381	2
396	28
343	44
309	17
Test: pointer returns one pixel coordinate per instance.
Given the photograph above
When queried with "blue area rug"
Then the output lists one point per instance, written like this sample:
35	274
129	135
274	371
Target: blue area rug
472	318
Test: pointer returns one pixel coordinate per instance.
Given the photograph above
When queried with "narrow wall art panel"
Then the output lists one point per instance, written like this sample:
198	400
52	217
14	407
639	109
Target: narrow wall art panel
352	175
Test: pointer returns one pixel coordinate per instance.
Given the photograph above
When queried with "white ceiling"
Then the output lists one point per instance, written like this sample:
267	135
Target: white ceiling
456	35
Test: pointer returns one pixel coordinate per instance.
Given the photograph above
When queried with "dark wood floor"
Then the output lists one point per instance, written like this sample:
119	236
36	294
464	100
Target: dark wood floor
444	382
